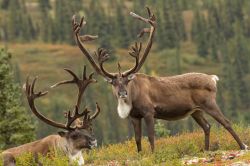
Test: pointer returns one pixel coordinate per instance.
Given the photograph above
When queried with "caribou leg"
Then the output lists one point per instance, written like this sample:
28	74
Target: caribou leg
149	120
202	122
8	159
136	122
215	112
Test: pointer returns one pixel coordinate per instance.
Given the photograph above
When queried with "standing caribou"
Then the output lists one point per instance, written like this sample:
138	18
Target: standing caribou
169	98
70	142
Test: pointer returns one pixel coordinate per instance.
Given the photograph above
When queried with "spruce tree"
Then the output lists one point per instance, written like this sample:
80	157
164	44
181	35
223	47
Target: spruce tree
16	126
5	4
121	26
63	15
13	22
178	20
45	31
169	33
199	33
240	52
104	35
229	80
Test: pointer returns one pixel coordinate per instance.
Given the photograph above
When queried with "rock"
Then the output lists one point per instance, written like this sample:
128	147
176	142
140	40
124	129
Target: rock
240	163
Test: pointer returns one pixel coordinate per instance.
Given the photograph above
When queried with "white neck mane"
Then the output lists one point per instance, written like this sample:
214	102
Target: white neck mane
77	157
123	108
68	149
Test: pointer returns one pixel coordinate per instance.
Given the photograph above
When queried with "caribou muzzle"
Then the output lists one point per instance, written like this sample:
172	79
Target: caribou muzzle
92	143
123	94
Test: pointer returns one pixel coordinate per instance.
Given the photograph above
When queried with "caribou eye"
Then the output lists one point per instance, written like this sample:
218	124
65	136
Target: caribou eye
74	136
131	77
109	80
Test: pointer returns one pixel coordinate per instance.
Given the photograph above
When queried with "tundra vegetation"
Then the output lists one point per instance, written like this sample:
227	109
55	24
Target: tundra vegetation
209	36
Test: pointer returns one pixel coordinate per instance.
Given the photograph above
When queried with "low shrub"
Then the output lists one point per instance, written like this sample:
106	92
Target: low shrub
168	151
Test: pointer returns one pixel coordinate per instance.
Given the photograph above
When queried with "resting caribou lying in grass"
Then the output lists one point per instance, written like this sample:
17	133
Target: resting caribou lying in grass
169	98
70	142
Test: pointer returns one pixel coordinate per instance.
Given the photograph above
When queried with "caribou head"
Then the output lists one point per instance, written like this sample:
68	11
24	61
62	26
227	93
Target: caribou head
120	81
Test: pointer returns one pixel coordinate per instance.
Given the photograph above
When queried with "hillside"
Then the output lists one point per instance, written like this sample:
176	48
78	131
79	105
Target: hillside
182	149
175	150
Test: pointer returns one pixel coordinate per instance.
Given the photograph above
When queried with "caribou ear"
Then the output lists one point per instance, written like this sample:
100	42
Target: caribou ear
131	76
62	133
107	79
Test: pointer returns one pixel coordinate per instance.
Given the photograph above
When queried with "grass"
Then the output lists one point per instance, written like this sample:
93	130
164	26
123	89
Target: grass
169	150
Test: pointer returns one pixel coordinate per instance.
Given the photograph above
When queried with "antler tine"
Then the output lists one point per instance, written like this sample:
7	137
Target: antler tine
135	53
71	118
79	82
84	73
103	56
151	30
86	38
150	20
87	119
26	87
98	110
74	80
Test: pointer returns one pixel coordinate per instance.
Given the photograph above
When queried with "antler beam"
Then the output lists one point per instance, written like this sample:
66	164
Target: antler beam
31	96
79	39
135	49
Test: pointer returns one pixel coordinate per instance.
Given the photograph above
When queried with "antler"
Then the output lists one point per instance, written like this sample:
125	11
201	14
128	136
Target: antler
135	49
71	116
135	53
103	56
87	119
81	83
31	96
76	28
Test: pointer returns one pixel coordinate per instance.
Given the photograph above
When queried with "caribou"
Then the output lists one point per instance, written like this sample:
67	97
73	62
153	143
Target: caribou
77	132
141	96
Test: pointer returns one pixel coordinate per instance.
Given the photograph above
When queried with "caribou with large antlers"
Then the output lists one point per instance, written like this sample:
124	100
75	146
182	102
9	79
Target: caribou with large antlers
169	98
78	134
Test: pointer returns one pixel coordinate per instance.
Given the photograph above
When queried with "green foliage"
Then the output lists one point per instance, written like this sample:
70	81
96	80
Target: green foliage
4	4
58	159
160	129
63	14
19	24
16	126
168	151
199	33
47	31
121	26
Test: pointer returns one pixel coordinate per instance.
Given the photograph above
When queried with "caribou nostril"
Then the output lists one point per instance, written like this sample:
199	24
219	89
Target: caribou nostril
93	143
122	93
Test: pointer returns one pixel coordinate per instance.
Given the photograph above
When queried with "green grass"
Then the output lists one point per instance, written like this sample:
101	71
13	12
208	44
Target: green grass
169	150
